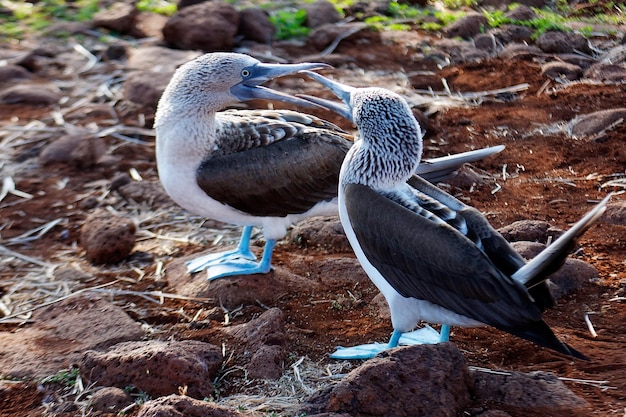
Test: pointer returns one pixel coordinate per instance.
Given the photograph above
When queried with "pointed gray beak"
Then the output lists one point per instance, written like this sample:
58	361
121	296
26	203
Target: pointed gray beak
342	91
250	87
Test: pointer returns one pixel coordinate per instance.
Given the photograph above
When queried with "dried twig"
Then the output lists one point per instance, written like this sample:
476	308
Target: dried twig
596	383
92	60
600	384
621	182
590	326
474	95
333	45
8	187
33	234
9	252
30	310
149	294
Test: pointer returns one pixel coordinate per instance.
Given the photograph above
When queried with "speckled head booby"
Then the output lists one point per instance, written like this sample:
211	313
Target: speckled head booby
259	168
433	257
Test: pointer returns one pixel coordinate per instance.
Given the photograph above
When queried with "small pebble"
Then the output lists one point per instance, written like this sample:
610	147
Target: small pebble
110	400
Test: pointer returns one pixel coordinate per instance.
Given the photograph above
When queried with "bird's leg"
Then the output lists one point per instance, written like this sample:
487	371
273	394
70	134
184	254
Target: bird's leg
444	334
266	260
242	251
394	340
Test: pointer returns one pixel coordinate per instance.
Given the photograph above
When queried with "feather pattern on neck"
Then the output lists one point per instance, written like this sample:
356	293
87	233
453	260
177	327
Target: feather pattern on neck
391	147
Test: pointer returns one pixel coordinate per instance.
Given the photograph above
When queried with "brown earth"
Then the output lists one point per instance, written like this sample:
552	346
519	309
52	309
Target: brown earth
550	176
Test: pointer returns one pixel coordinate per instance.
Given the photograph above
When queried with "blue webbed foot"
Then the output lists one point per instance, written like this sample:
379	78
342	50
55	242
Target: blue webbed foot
204	263
238	266
359	352
215	259
238	263
425	335
366	351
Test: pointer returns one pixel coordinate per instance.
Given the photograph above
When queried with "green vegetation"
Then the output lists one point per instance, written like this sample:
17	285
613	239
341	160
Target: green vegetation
545	21
447	17
32	17
165	7
400	15
549	20
385	23
341	5
28	17
66	377
401	10
457	4
289	23
139	397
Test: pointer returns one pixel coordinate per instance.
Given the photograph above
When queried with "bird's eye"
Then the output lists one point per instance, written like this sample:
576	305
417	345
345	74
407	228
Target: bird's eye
245	73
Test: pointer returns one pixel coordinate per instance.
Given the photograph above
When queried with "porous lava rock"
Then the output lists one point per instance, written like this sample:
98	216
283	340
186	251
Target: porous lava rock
110	400
61	333
10	73
209	26
420	380
320	13
145	192
558	70
80	150
120	18
467	27
156	367
606	73
529	231
591	125
321	232
572	275
562	42
615	213
536	393
183	406
107	238
235	291
255	25
146	87
30	94
264	344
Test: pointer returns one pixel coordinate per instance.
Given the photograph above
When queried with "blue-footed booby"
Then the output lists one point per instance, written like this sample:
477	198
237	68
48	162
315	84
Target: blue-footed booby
434	258
252	168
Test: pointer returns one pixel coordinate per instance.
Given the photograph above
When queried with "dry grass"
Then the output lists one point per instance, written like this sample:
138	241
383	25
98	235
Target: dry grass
282	397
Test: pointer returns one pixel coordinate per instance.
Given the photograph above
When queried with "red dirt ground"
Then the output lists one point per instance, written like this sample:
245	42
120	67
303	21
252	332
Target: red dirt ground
552	177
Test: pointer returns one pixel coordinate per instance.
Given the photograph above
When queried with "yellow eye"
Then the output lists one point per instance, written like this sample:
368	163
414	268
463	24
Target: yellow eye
245	73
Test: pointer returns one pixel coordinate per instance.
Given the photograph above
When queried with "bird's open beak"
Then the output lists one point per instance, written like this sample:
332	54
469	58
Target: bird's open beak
250	87
342	91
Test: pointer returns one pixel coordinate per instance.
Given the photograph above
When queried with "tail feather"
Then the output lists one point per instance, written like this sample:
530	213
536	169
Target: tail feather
551	258
438	169
540	333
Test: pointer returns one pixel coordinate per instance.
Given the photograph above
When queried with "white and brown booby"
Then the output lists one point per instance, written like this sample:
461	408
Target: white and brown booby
260	168
433	257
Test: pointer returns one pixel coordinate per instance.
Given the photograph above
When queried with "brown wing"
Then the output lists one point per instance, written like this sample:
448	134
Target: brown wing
281	167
